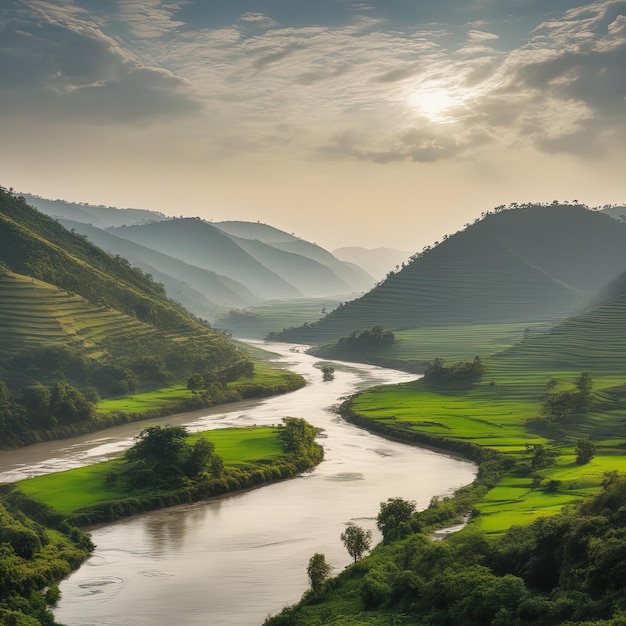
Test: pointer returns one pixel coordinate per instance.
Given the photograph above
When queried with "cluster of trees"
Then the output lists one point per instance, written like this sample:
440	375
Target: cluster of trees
162	457
57	386
563	569
461	373
214	380
32	558
40	406
563	404
297	438
367	340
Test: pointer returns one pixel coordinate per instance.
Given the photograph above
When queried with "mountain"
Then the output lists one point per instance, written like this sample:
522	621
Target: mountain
69	311
521	264
200	290
616	212
357	278
344	277
101	216
200	243
594	338
255	230
313	279
377	262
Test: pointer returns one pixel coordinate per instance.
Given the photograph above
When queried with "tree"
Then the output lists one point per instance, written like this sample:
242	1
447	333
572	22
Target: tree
585	450
328	372
36	399
195	383
160	448
583	398
318	570
68	404
296	435
392	515
542	456
357	540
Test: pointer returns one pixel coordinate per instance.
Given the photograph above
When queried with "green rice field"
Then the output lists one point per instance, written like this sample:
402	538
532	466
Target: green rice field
500	412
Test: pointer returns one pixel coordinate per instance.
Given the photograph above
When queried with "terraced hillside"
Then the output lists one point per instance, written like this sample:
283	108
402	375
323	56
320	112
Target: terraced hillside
594	339
518	265
71	312
34	314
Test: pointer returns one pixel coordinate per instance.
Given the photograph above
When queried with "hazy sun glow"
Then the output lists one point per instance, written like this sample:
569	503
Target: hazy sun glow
436	103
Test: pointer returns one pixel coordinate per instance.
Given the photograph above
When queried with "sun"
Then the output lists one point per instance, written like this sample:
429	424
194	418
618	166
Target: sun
436	103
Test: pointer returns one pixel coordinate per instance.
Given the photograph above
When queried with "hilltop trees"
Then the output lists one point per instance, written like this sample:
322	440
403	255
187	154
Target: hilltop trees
367	340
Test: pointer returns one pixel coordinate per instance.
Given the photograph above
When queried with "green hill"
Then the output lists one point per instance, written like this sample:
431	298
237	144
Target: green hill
517	265
337	276
70	314
593	339
200	290
312	278
199	243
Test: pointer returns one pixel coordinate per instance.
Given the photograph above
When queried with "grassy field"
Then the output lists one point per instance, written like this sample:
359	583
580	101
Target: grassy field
418	346
497	416
500	412
85	486
266	380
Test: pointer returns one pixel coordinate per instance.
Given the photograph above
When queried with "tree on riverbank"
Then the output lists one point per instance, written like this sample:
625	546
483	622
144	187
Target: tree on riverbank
318	571
394	515
357	540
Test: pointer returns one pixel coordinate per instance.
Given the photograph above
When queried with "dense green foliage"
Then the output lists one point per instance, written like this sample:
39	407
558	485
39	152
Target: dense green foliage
394	517
77	325
37	548
161	457
566	569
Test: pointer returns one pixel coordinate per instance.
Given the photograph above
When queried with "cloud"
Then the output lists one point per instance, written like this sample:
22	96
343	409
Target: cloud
360	89
148	19
58	65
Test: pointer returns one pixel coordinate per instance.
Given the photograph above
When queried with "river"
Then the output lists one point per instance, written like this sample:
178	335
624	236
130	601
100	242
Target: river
235	559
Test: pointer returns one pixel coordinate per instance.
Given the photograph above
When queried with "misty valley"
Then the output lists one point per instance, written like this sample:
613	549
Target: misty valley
224	423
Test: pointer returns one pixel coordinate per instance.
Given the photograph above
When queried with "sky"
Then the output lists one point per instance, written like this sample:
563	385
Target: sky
371	123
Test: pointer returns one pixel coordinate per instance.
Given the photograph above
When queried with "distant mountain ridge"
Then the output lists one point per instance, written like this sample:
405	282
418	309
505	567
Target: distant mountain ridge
200	243
377	262
616	212
211	266
520	264
201	291
100	215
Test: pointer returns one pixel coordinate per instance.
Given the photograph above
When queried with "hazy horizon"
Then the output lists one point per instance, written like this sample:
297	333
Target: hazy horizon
371	124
